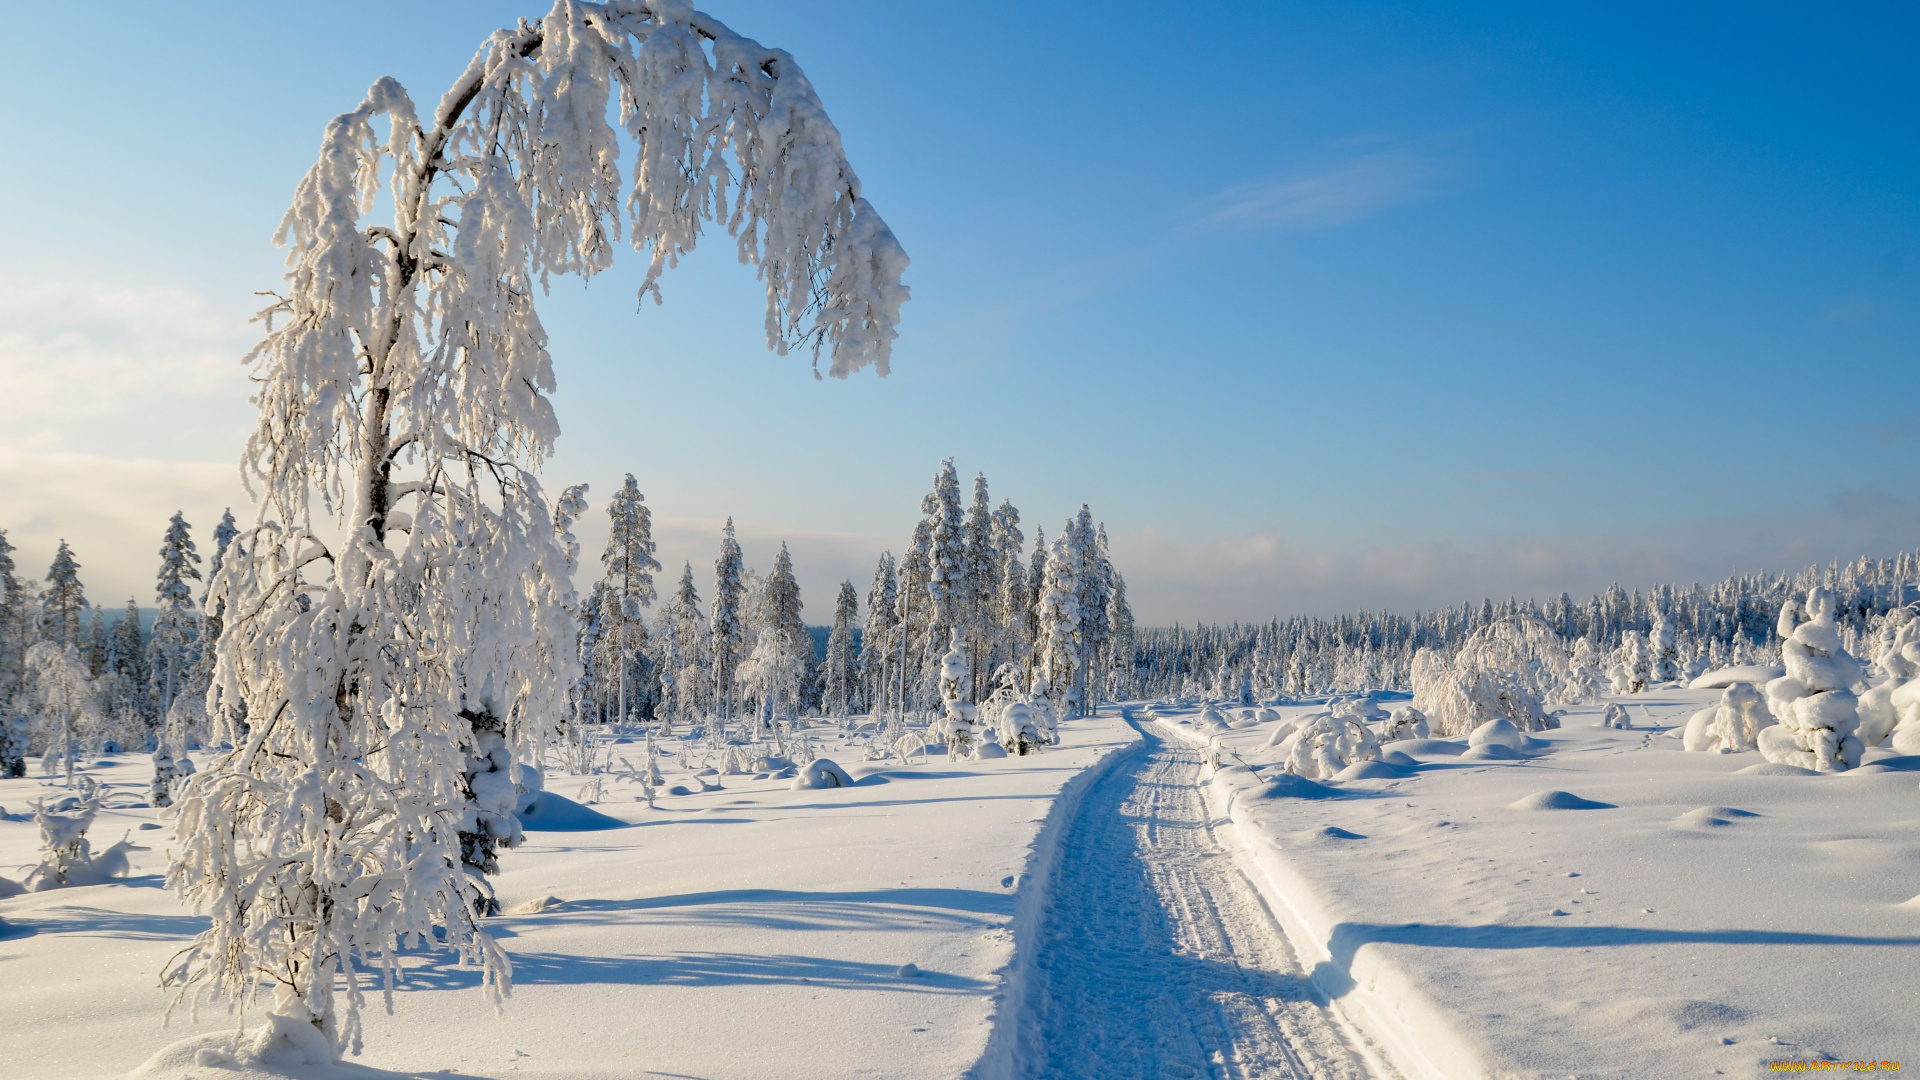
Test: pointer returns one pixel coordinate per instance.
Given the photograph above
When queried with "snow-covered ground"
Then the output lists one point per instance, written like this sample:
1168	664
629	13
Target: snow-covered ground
1697	919
748	932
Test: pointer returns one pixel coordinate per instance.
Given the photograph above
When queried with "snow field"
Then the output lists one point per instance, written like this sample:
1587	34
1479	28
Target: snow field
749	931
1698	920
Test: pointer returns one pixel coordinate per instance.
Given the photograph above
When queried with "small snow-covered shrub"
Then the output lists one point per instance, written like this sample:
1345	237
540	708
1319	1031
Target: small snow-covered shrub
1328	744
167	772
66	857
1499	731
488	821
958	725
1663	652
1631	663
1739	718
1887	706
821	773
1616	716
1814	701
1406	722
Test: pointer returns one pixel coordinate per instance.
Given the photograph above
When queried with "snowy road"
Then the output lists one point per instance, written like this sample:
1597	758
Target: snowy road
1157	957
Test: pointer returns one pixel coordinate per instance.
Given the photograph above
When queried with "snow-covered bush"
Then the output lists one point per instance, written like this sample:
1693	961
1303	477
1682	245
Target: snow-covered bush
1630	663
66	856
1897	658
821	773
1328	744
168	771
1615	716
1663	652
960	714
487	822
1406	722
1499	731
1585	679
1814	701
1507	668
1739	718
1015	721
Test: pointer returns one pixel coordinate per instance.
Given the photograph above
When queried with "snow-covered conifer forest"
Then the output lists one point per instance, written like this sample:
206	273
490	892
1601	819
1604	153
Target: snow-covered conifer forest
435	755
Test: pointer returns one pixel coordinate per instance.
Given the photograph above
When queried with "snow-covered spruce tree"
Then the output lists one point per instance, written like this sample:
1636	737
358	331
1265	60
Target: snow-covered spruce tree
728	634
402	386
177	626
982	566
946	559
629	564
918	650
1036	588
1096	591
1120	634
683	643
16	631
780	612
839	676
64	599
879	641
1008	604
1059	641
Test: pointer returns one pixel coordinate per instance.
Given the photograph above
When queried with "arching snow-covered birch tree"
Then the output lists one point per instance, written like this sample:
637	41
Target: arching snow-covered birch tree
404	568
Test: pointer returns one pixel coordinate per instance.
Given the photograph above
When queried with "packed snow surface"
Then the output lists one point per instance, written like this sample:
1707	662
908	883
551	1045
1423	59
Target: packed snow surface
745	932
1156	957
1700	914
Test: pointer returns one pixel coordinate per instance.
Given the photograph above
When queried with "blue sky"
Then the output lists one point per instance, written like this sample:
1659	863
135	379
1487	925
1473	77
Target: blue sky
1319	306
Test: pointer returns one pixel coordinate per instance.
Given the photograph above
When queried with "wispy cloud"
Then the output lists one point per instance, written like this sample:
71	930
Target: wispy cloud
78	352
1349	182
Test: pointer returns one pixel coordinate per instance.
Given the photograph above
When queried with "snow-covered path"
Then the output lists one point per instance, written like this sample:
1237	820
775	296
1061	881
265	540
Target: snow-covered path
1156	957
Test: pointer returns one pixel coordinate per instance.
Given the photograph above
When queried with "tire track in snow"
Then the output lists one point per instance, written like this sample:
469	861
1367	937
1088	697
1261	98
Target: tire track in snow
1156	957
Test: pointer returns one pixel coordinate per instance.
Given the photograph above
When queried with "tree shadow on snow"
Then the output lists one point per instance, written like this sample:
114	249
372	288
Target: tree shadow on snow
104	923
781	909
698	969
1347	938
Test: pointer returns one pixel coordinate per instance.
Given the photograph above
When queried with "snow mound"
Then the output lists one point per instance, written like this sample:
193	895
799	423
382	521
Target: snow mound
1395	757
987	750
1558	800
1373	770
281	1056
1425	748
1500	731
535	907
1721	678
1712	817
1288	786
825	773
1330	832
547	812
1492	752
1774	768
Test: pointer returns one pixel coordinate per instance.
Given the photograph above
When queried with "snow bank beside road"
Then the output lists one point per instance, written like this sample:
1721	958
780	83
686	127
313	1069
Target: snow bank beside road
1705	922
